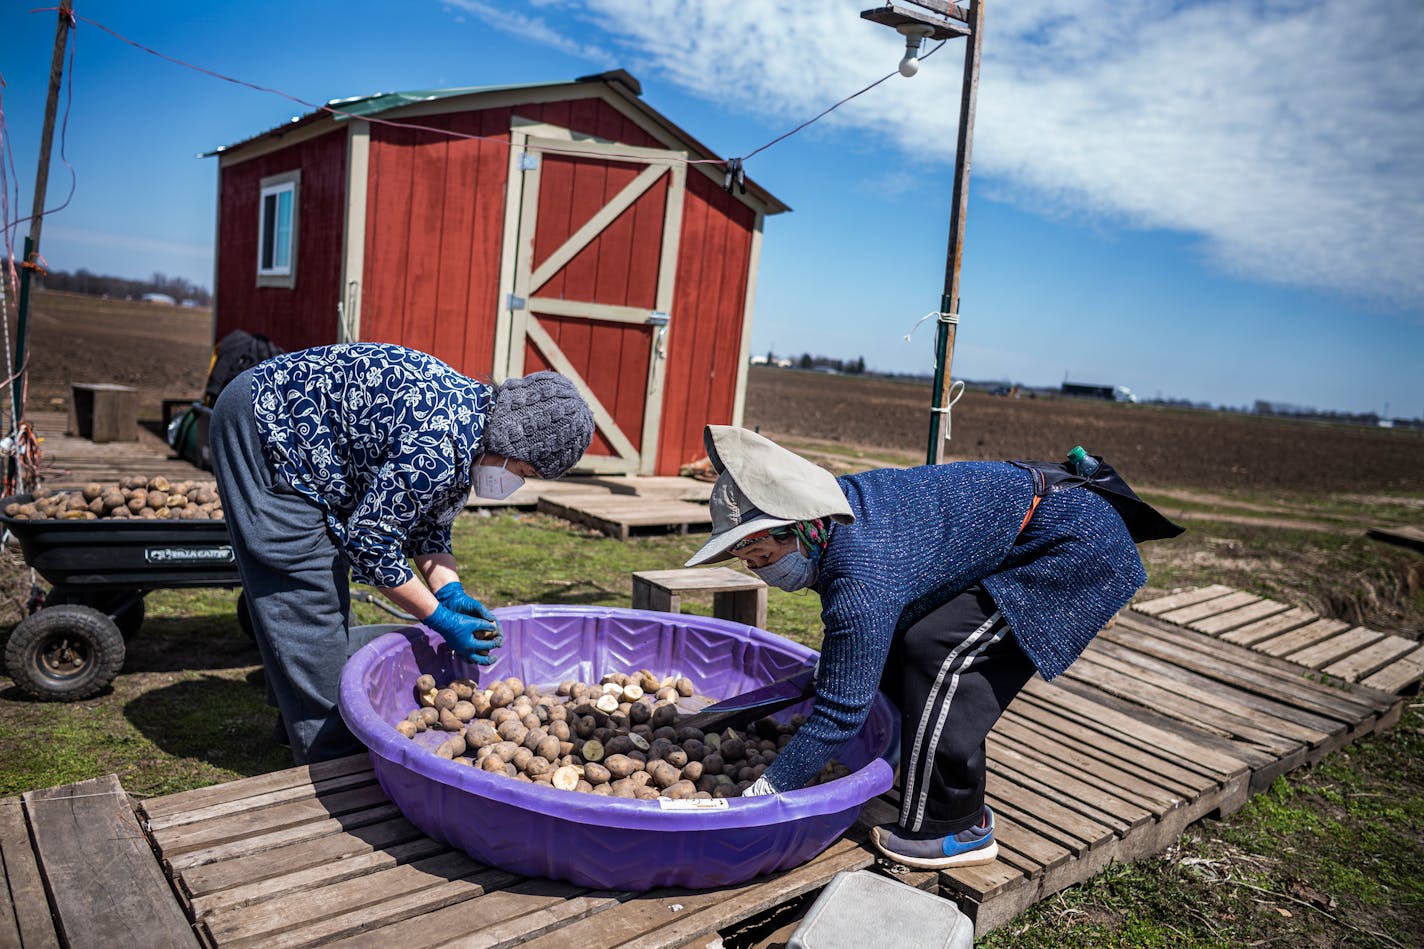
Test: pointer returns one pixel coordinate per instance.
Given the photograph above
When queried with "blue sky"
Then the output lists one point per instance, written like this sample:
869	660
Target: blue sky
1218	201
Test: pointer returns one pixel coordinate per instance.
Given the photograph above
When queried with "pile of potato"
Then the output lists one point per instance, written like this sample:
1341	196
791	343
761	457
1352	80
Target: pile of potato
143	498
619	738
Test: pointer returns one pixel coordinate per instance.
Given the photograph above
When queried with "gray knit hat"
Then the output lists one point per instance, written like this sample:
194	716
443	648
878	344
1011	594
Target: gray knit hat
539	418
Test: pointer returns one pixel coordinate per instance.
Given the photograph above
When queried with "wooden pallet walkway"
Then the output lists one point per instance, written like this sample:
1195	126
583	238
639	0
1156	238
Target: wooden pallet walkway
621	516
70	461
1351	653
1155	727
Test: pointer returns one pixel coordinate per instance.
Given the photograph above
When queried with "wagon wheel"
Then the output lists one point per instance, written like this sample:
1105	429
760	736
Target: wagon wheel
124	607
64	653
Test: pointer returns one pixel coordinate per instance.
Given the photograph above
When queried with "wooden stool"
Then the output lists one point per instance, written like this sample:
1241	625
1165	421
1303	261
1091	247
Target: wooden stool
103	412
736	596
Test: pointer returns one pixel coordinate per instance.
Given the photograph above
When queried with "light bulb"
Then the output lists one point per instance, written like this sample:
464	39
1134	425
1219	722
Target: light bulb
914	34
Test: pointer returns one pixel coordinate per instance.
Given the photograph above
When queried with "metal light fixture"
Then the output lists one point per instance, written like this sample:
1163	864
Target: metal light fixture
918	20
914	34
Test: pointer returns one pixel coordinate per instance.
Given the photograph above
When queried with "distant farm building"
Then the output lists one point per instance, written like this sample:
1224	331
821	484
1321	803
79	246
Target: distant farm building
1086	391
572	234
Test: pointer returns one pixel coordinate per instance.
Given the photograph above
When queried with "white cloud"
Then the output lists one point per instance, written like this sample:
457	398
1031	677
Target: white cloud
531	28
1284	135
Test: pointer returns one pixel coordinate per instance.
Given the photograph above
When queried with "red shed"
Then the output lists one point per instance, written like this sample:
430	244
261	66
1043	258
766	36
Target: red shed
573	234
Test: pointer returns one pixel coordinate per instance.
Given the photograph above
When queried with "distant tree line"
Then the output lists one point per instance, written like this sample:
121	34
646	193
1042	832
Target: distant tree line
852	367
82	281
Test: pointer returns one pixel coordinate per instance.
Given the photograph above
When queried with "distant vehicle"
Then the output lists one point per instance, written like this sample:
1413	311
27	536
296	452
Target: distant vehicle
158	298
1086	391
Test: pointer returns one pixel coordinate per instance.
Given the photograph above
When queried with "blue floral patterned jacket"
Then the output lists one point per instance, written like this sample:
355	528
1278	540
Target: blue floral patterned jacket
381	438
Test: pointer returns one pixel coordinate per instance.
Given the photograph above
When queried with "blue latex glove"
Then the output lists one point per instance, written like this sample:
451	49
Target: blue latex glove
452	596
461	632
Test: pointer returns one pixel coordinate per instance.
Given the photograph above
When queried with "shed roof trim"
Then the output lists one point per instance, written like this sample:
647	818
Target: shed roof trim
366	106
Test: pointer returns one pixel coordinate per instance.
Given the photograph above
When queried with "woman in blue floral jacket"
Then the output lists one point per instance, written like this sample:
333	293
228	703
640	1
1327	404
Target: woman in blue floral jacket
354	458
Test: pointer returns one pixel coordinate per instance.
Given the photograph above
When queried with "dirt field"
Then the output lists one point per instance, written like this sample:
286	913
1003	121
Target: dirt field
1207	451
163	351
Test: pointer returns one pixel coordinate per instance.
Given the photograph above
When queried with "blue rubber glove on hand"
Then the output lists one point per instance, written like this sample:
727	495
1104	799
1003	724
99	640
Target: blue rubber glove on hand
462	633
452	596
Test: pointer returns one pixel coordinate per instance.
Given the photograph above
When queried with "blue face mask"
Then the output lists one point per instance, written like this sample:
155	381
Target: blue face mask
794	571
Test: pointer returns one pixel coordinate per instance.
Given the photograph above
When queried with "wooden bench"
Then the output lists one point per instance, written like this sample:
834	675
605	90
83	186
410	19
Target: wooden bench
103	411
736	596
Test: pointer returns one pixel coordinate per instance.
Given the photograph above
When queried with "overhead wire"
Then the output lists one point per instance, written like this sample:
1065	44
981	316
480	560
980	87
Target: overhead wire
451	133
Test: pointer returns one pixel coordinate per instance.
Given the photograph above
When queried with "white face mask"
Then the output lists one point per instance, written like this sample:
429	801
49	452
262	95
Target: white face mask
496	482
791	572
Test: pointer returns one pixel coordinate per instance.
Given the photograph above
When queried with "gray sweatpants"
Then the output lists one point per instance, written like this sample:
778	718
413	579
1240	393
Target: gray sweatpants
295	579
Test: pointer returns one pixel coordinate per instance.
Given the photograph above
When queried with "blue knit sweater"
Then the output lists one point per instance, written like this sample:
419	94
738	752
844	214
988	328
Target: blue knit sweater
924	535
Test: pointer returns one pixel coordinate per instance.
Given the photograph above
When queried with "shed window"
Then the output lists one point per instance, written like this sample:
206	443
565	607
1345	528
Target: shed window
277	230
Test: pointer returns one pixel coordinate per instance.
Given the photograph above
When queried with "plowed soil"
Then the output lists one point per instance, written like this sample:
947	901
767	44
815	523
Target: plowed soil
1149	445
163	351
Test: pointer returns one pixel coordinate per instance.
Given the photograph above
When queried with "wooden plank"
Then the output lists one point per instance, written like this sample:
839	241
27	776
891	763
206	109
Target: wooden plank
1220	604
1298	639
169	823
1273	626
1400	674
1162	604
364	902
321	874
1058	785
496	920
24	909
1163	696
616	517
1323	653
1246	669
1232	619
1188	751
1100	749
292	856
245	825
1404	535
1049	818
671	917
258	842
1266	711
1371	659
1109	778
107	887
299	777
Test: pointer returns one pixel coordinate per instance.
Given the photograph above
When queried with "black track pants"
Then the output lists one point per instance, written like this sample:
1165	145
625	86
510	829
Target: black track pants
952	675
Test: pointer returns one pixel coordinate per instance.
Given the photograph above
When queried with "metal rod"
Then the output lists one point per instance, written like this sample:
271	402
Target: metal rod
949	302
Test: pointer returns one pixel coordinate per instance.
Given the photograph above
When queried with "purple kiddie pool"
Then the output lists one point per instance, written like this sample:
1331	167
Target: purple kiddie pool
605	842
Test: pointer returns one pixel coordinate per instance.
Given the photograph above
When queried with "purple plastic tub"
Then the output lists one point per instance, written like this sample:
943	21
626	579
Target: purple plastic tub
605	842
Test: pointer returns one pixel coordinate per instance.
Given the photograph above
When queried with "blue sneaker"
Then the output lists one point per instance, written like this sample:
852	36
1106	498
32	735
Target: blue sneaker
967	848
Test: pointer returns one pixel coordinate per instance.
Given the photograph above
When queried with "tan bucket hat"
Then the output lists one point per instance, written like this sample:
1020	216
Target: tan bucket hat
761	485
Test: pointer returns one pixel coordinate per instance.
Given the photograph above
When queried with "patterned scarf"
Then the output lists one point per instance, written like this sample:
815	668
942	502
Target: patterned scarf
814	534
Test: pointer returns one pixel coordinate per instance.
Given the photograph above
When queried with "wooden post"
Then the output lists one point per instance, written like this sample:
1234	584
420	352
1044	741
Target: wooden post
32	242
949	302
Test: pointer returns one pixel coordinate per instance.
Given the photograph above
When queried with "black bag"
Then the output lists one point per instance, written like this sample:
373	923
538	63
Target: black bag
1144	522
235	352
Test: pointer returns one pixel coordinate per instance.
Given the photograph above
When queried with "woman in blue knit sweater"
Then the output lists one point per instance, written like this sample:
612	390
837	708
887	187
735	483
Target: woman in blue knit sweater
946	587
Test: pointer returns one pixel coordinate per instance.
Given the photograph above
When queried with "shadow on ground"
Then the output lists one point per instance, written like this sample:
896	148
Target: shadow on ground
177	644
221	721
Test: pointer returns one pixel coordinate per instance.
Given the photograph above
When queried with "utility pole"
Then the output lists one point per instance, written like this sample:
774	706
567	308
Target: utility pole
940	19
32	240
